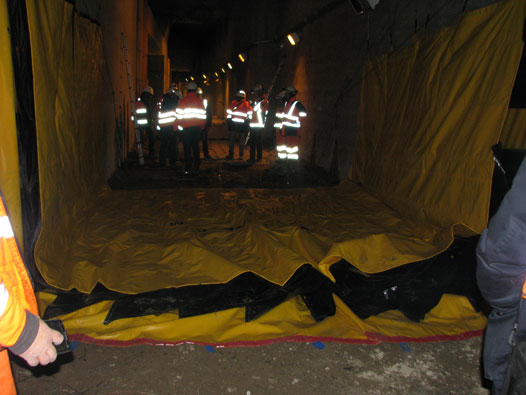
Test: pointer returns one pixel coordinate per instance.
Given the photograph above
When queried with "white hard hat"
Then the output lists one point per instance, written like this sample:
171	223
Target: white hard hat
291	89
149	90
192	86
258	88
199	91
241	93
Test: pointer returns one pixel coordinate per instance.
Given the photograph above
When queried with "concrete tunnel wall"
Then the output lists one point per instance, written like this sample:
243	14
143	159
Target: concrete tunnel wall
326	66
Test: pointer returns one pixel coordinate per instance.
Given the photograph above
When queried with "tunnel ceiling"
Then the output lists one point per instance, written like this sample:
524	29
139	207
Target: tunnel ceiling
191	22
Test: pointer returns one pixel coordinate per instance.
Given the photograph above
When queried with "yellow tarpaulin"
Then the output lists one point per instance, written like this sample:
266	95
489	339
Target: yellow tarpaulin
431	112
428	117
9	178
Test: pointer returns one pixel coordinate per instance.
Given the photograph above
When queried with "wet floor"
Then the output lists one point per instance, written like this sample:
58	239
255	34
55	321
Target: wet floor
219	172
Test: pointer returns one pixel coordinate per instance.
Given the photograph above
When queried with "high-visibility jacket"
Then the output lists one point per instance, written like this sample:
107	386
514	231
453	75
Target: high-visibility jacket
167	112
289	129
259	113
239	112
16	296
141	114
291	117
190	112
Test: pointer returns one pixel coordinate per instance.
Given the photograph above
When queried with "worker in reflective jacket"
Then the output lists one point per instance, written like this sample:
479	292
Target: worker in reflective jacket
191	119
146	110
288	138
238	116
21	330
165	125
257	124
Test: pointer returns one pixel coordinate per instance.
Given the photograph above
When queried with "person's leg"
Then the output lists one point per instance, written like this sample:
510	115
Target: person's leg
259	144
204	138
231	140
196	136
252	142
496	347
163	149
172	148
151	143
241	137
187	148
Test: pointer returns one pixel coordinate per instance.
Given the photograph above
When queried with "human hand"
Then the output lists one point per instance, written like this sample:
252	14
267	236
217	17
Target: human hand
42	350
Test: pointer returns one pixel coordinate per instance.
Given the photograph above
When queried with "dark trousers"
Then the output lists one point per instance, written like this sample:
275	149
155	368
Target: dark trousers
234	136
204	139
168	150
497	350
255	143
151	142
191	137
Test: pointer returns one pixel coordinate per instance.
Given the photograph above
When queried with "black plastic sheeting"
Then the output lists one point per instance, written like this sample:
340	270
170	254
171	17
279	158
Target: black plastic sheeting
248	290
414	289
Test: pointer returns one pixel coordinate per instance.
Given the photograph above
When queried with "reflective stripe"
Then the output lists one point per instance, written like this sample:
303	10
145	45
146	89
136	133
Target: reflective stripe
282	155
238	120
166	120
278	125
259	123
303	114
281	148
6	231
191	113
292	150
141	111
291	125
4	298
167	114
180	127
142	121
293	156
205	103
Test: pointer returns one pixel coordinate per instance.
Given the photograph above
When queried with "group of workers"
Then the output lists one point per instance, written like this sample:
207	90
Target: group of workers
187	119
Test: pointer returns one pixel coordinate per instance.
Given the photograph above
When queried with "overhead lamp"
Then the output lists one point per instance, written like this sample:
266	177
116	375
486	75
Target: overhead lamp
293	38
216	74
223	70
192	78
186	79
229	65
204	76
242	57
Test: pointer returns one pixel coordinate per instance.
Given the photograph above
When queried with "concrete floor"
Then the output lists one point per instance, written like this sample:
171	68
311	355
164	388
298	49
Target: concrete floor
282	368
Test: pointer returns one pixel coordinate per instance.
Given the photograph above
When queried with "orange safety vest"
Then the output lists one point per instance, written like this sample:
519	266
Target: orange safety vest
16	296
190	112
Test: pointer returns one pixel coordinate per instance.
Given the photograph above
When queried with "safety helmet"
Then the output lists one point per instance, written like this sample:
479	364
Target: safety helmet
290	89
258	89
281	95
149	90
192	86
241	93
199	91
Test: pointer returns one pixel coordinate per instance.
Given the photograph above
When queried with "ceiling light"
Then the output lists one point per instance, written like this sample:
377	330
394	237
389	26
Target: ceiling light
293	38
242	57
229	65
